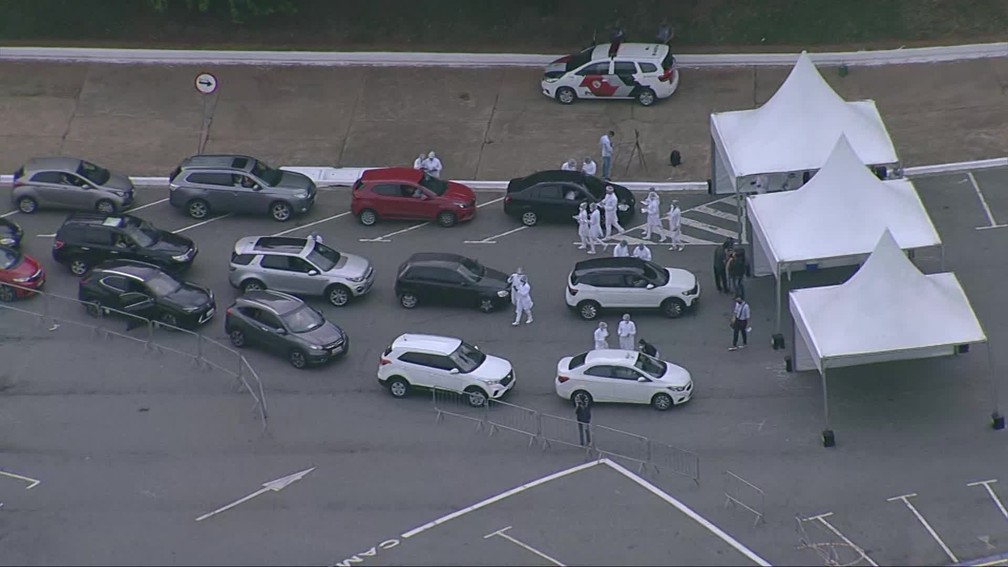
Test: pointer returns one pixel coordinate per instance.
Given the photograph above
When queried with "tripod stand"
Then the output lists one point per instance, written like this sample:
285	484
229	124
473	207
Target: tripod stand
636	151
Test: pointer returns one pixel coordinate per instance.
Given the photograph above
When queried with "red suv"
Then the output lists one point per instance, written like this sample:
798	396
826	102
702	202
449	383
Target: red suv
21	271
410	194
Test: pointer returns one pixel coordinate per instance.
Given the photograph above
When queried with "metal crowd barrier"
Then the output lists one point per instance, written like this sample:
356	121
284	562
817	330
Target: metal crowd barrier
740	492
549	431
58	313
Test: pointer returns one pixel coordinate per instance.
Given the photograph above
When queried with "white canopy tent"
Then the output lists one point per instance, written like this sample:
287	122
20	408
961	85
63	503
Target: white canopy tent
794	132
886	311
834	219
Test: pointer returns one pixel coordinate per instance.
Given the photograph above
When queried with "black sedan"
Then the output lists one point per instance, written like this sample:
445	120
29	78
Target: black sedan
555	195
145	291
10	234
450	279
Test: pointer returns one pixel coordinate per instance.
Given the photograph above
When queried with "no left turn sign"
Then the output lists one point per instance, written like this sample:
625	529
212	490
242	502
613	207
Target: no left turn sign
206	83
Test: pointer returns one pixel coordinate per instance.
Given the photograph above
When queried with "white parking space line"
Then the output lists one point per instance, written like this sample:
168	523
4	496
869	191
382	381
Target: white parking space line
715	213
208	221
45	235
490	202
491	239
327	219
983	201
9	213
997	501
148	205
821	518
905	498
709	228
633	241
384	237
524	545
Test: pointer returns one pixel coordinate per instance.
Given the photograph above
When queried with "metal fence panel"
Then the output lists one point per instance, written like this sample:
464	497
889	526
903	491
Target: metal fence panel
458	405
560	431
611	442
221	357
502	416
741	493
667	458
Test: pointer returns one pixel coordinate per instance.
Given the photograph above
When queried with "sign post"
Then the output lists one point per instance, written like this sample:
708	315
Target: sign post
206	83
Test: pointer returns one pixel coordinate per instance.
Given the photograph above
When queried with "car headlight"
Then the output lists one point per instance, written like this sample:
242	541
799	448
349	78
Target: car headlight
502	293
22	280
623	207
181	257
301	195
677	388
315	347
493	382
460	205
358	279
8	241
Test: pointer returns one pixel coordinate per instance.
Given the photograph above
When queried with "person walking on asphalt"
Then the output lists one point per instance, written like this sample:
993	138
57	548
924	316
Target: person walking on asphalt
513	280
595	229
610	204
433	165
642	252
740	323
582	411
737	271
675	226
652	208
588	167
721	267
627	331
606	148
583	229
621	250
601	336
523	301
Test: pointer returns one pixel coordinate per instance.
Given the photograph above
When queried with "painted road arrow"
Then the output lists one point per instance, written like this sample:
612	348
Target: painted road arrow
32	483
273	485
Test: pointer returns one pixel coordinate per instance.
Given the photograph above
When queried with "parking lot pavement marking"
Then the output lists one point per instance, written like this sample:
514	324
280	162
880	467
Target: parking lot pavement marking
711	211
9	213
32	483
498	200
997	501
983	201
709	228
274	485
185	228
515	541
327	219
491	239
633	240
821	518
148	205
384	238
718	532
905	498
45	235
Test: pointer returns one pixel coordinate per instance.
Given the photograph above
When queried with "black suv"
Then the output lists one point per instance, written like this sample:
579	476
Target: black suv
146	291
10	234
87	239
556	195
284	325
451	279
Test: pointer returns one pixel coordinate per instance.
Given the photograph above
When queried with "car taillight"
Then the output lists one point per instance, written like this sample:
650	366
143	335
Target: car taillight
667	75
507	199
384	361
228	311
571	290
562	378
57	244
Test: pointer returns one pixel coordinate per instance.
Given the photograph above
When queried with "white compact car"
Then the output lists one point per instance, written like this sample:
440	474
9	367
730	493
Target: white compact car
642	71
429	361
630	283
624	376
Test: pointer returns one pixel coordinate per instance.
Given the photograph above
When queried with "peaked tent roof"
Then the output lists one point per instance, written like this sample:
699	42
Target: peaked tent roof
887	308
795	130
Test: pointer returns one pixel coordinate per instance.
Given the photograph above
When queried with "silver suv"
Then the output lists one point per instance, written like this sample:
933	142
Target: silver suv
70	183
238	184
302	266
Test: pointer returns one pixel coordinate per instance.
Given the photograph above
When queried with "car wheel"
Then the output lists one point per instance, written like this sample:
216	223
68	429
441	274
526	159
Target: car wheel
476	397
646	97
27	205
661	402
237	338
588	310
252	285
486	305
673	308
280	211
105	207
581	396
169	320
529	218
297	359
338	295
6	294
79	267
408	300
398	387
446	219
367	217
198	209
566	95
93	308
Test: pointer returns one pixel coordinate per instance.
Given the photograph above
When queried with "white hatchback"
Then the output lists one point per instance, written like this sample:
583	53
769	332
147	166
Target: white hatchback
624	376
642	71
446	363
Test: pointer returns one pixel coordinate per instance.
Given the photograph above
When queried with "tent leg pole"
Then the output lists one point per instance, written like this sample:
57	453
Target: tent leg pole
741	217
997	420
942	248
828	438
778	298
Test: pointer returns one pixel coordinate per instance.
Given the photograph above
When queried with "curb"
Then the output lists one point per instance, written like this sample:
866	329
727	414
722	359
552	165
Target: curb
470	60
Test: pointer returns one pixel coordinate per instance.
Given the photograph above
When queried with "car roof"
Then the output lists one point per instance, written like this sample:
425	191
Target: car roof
436	258
218	161
54	163
633	51
392	174
133	268
611	356
600	264
98	219
275	301
430	343
271	245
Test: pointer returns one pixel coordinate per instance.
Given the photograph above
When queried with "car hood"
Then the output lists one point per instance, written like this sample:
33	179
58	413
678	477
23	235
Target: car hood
680	278
190	296
352	265
493	368
118	182
27	267
327	334
675	375
172	244
294	180
458	192
494	278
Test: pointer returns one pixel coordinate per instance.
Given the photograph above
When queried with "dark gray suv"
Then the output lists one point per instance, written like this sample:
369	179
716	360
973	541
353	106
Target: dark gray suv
238	184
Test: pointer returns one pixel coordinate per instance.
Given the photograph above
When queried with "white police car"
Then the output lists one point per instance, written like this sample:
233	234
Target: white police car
642	71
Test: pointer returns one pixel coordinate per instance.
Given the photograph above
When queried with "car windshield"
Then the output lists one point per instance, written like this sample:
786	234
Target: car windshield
433	184
162	284
266	173
471	269
323	257
141	232
302	320
467	358
9	258
93	173
656	273
650	366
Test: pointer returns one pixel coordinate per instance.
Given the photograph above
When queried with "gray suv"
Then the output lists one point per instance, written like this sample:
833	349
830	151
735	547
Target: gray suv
238	184
70	183
302	266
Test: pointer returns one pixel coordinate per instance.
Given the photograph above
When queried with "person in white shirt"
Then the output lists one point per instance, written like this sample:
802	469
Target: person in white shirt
642	252
583	228
512	282
433	165
627	331
524	302
588	167
740	323
606	149
621	250
418	163
601	336
652	208
595	228
610	205
675	226
569	165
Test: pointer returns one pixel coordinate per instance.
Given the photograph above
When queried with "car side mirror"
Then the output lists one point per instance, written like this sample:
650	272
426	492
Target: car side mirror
453	371
650	286
312	272
256	187
281	331
642	379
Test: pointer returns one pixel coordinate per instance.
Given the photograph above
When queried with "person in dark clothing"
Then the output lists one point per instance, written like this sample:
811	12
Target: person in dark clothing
582	410
720	268
737	271
647	348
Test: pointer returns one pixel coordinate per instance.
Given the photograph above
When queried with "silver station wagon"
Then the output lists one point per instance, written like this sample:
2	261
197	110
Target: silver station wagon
70	183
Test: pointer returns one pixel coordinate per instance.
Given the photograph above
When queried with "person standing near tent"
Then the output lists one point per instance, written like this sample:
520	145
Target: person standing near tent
736	271
583	228
601	336
721	266
675	226
652	208
740	323
595	229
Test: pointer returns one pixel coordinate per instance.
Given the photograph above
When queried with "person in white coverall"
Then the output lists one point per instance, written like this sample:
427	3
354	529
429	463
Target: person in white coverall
621	250
583	229
610	204
588	167
418	163
601	336
652	208
433	165
627	332
675	226
595	228
569	165
642	252
523	301
512	282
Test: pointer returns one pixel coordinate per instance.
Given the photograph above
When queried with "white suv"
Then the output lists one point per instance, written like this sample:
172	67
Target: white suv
630	283
429	361
642	71
300	266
